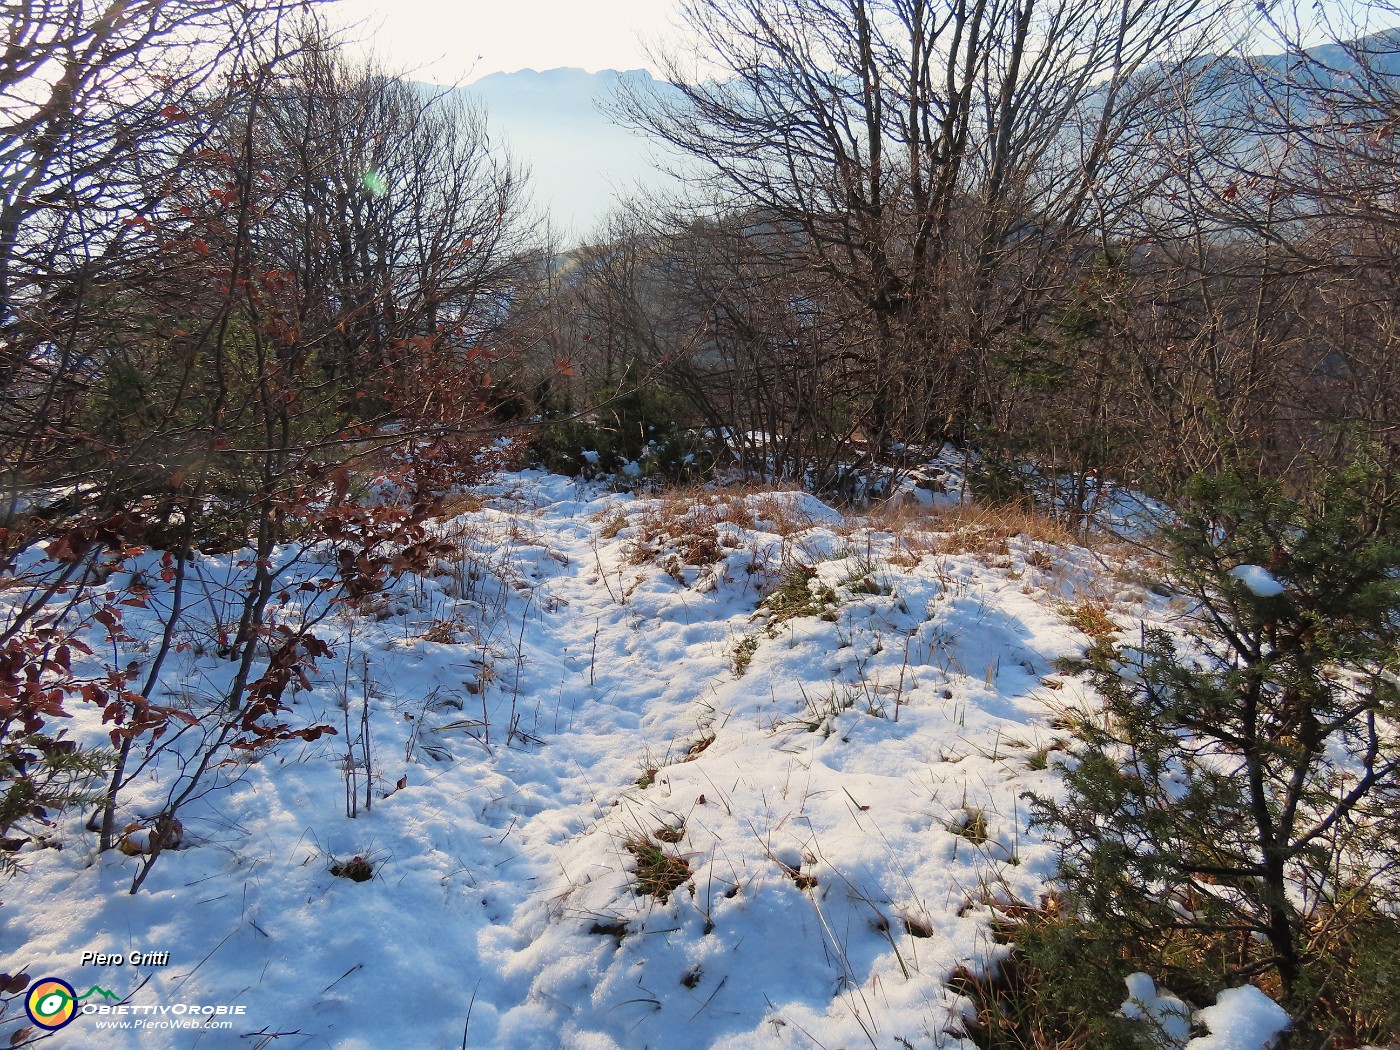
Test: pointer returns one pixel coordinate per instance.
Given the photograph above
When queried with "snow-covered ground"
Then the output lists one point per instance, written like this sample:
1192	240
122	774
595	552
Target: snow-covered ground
833	777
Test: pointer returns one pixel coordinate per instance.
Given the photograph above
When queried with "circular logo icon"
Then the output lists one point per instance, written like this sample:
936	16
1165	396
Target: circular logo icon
51	1003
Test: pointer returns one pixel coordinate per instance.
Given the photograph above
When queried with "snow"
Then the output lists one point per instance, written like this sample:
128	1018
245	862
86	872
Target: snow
1258	579
1242	1018
555	690
1167	1017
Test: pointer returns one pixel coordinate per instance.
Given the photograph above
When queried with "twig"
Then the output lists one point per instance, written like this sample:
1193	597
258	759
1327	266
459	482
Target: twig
347	973
467	1023
706	1003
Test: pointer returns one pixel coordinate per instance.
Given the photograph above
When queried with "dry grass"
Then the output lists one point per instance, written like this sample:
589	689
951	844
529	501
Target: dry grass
481	557
445	632
976	529
797	595
1039	559
698	748
772	508
985	532
681	527
904	557
460	503
658	873
670	833
780	514
611	522
971	824
694	528
742	655
1090	616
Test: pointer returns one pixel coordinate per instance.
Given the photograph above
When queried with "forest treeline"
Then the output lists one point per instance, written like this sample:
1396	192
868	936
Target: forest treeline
1094	237
1084	235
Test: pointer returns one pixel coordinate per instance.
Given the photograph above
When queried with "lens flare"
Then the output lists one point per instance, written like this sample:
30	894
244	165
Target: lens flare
375	184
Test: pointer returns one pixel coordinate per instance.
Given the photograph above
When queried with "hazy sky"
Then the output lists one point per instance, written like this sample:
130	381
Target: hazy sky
452	41
461	40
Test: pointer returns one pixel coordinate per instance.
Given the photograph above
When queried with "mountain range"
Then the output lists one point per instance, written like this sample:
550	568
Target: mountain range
581	162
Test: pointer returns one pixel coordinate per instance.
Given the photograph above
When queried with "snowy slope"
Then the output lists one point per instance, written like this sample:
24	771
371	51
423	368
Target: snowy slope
845	808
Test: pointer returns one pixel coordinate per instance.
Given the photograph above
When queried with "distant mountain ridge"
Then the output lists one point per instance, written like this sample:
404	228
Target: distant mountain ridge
580	161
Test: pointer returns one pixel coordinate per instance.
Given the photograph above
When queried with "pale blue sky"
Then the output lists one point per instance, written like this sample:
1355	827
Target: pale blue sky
450	41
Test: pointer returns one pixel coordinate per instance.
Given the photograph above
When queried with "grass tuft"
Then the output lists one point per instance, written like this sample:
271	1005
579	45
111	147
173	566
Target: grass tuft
800	594
658	873
743	655
1091	617
917	927
670	833
970	824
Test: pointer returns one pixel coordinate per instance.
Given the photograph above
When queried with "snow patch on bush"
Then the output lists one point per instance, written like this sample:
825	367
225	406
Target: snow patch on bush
1258	579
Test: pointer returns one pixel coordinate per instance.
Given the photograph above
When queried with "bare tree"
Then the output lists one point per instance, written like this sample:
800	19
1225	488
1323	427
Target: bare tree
97	107
1264	261
939	160
287	253
389	206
